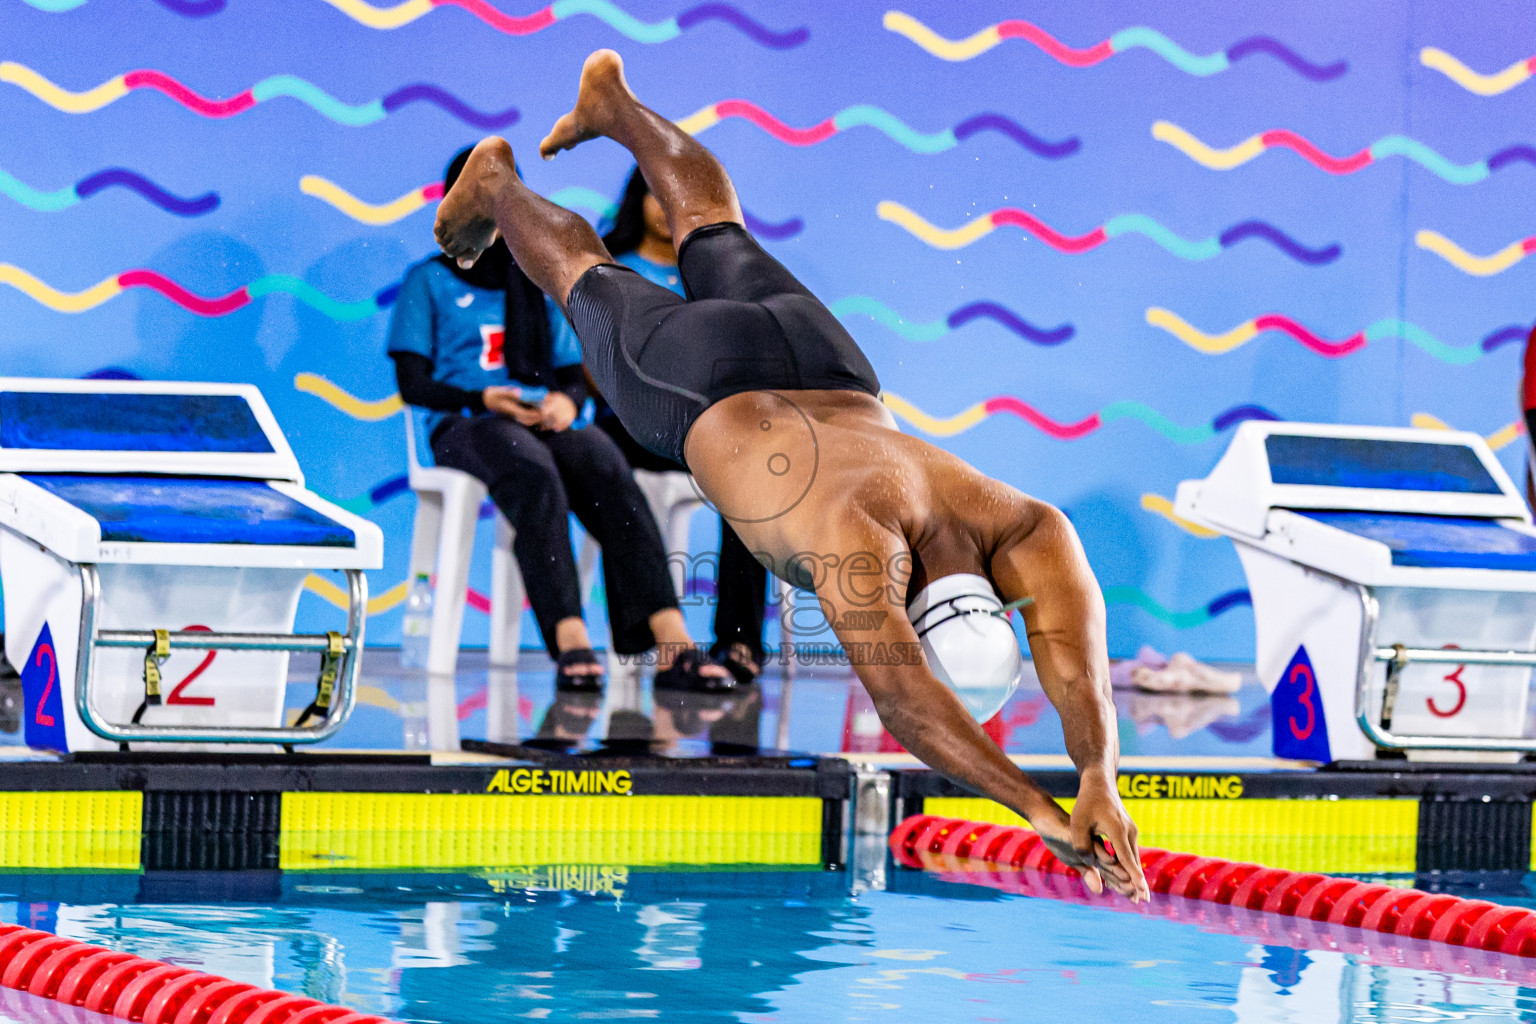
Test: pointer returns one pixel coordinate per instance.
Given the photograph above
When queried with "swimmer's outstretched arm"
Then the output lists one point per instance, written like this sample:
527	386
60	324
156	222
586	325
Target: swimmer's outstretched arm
927	718
1041	557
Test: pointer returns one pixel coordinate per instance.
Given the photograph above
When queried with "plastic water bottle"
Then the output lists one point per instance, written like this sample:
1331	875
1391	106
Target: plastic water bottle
416	626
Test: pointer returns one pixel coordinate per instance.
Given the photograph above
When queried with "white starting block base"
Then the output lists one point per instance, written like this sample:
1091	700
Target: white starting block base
1299	608
227	688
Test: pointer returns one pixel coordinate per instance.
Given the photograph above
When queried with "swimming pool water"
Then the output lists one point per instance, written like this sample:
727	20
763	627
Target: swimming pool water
567	943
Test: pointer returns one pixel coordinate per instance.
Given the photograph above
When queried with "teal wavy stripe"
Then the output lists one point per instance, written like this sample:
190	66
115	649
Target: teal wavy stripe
55	6
323	102
312	297
1141	224
863	305
619	20
1420	338
26	195
865	115
575	197
1413	149
1139	598
1169	50
1157	421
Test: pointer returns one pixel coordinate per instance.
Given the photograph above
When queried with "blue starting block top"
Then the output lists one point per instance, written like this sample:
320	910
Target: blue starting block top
194	510
115	422
1438	542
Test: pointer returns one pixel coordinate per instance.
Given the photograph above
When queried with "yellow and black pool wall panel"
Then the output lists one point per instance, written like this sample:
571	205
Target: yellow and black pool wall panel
253	812
1407	819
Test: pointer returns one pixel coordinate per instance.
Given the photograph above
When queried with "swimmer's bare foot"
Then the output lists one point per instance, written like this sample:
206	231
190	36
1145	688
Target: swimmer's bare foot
466	219
602	86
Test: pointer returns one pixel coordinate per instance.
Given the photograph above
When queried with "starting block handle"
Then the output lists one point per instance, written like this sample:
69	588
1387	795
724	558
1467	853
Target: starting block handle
1398	657
326	644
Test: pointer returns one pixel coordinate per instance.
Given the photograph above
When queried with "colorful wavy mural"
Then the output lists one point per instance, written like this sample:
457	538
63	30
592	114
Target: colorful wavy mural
1012	405
1115	227
1468	263
209	306
1475	82
932	330
111	177
1126	39
1391	145
867	116
1380	330
270	88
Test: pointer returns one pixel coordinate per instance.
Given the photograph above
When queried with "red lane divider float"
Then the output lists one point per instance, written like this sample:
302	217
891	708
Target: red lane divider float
148	991
958	848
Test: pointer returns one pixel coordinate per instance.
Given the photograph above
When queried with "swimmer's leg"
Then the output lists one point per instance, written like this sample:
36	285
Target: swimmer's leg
553	245
685	177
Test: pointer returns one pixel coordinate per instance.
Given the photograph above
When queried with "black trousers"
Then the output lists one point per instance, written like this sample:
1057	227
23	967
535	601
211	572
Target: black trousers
741	580
536	478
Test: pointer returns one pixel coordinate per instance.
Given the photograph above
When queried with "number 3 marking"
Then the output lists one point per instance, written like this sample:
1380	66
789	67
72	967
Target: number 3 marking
53	675
1461	691
175	696
1305	700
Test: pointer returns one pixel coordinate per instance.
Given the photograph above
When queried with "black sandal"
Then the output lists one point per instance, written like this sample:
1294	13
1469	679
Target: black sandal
741	666
578	682
686	673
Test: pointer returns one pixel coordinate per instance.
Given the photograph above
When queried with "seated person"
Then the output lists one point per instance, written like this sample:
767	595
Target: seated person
641	240
500	368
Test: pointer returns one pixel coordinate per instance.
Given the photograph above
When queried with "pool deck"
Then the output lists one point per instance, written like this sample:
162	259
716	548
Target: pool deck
492	766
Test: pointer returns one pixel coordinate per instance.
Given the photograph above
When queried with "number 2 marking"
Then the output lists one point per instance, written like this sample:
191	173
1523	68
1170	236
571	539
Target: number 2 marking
53	675
175	696
1305	700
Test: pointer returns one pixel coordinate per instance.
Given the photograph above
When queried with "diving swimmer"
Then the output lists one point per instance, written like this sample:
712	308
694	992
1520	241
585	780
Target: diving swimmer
754	385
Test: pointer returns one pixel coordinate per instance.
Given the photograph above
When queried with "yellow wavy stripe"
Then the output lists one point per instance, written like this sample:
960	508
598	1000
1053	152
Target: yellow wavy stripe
368	213
939	238
1500	438
1472	81
383	17
380	409
328	591
1210	344
1466	262
1163	507
928	39
63	302
377	697
63	99
931	424
1205	156
699	120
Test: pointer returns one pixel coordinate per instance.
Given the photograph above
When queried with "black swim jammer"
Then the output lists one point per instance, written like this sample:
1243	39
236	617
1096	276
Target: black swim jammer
747	325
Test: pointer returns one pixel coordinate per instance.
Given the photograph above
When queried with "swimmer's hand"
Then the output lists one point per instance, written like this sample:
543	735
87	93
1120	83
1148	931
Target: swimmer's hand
466	220
1098	815
508	401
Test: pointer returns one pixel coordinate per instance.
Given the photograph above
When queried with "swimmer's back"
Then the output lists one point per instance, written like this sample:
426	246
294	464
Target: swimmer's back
800	472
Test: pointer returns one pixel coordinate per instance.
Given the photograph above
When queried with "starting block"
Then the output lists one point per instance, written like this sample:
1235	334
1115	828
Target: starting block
1393	576
154	540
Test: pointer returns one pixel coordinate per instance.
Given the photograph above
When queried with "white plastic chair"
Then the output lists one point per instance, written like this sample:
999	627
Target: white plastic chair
443	538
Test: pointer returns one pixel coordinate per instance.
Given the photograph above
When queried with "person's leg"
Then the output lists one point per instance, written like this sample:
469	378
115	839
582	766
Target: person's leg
642	606
685	178
739	602
552	245
524	482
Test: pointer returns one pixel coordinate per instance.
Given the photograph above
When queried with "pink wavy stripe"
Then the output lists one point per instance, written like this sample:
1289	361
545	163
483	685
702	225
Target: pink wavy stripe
478	601
149	79
1322	346
773	126
474	702
1528	246
1530	65
503	22
179	295
1047	234
1332	164
1060	431
1016	29
433	192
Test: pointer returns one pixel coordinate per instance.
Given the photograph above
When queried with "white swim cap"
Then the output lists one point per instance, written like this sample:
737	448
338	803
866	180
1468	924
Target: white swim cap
968	642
